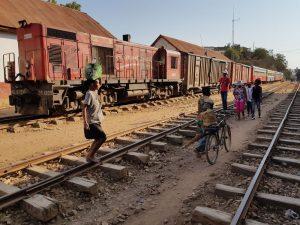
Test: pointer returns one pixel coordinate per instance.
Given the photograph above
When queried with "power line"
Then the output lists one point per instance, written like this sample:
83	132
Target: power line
290	50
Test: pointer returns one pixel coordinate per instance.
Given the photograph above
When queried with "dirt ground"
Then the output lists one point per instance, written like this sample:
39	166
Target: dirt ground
31	142
153	194
160	193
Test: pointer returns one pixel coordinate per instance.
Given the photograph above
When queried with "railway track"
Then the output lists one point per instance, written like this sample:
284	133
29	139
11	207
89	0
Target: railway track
263	187
14	119
68	166
19	122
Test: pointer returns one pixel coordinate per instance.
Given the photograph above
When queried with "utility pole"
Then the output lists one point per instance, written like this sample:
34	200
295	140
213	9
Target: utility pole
233	23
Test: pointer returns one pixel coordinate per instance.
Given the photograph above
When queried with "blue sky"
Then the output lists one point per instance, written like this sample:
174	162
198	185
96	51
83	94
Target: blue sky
272	24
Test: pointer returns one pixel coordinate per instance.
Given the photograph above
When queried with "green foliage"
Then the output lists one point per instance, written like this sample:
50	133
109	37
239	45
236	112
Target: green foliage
287	74
260	53
73	5
259	57
53	1
297	74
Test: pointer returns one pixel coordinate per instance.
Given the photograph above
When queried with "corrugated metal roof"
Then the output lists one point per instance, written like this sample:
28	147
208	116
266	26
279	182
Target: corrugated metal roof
187	47
55	16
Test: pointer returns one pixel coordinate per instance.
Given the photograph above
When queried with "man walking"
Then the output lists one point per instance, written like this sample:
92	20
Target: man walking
249	90
92	117
256	98
224	87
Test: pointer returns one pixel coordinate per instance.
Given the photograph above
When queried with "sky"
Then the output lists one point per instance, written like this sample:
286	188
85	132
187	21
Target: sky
271	24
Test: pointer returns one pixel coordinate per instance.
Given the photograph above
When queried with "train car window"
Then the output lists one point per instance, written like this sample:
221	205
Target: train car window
61	34
174	62
55	54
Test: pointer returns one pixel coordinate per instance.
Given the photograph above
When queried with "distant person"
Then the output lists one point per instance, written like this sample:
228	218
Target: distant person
256	98
239	100
92	117
249	90
224	87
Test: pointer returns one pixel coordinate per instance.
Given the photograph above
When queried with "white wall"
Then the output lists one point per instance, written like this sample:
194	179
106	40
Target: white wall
163	43
8	43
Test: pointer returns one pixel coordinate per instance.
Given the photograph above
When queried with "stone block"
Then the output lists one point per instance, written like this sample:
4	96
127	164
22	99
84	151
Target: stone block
137	157
41	207
114	171
159	146
187	133
175	139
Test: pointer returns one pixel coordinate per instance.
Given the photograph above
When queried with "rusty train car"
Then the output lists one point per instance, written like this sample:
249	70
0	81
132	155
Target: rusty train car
52	64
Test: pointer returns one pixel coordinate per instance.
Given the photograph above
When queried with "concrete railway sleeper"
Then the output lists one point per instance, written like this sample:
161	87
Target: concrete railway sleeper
70	163
273	166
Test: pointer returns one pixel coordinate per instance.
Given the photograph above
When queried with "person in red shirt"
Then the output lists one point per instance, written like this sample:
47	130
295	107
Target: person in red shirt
224	87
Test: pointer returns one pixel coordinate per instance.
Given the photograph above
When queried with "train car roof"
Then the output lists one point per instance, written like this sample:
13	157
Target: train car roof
51	15
190	48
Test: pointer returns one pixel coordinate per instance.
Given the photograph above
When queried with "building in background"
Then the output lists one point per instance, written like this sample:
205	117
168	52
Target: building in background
38	11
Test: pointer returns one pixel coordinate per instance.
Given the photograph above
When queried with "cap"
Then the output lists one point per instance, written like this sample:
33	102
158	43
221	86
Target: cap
225	72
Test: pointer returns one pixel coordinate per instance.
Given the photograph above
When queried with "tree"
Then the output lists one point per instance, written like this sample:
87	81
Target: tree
260	53
297	74
73	5
53	1
280	62
233	52
287	74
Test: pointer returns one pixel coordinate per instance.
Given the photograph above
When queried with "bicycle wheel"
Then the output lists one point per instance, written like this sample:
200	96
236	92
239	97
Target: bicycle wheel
226	137
212	148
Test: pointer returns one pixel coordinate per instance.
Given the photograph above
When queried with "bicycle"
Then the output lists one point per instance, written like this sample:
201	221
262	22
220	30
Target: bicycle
218	139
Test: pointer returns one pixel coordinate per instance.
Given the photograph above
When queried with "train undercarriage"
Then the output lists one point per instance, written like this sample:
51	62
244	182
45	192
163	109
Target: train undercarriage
41	98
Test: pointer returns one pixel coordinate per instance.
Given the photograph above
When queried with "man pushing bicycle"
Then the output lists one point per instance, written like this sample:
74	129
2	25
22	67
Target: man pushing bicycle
206	118
212	134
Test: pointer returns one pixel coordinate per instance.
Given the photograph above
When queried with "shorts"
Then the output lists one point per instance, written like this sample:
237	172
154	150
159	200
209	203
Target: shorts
95	132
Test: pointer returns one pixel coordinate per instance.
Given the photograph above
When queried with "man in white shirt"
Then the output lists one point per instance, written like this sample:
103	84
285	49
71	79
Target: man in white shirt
249	90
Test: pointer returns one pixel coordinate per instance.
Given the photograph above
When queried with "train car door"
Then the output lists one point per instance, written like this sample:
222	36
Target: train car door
197	81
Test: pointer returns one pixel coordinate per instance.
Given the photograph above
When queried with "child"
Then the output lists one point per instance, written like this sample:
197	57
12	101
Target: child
239	100
205	118
92	117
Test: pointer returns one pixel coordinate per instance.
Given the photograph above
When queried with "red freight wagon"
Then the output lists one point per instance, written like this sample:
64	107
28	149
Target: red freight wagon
240	72
259	73
52	65
167	64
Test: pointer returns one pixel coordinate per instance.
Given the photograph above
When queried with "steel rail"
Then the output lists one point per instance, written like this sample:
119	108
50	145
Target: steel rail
243	208
9	119
73	149
69	150
12	198
17	118
21	194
